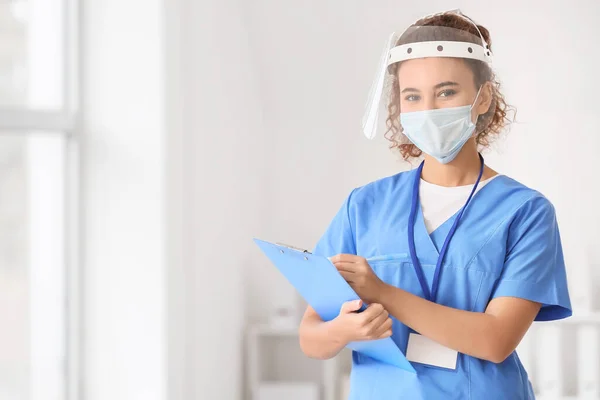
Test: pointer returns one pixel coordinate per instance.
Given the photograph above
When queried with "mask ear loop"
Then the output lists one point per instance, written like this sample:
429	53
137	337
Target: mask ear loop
476	97
473	105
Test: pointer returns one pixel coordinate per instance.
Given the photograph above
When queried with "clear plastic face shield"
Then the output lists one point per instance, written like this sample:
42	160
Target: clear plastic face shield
435	86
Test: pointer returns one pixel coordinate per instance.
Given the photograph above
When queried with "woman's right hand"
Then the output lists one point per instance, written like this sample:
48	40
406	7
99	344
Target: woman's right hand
370	324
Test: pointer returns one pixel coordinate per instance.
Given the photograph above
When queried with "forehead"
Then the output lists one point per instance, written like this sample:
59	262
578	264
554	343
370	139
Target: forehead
428	72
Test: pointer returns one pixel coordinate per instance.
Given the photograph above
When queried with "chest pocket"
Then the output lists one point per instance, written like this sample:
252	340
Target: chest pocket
458	287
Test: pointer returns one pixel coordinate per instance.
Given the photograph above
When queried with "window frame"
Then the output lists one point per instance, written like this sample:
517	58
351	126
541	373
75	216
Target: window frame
65	122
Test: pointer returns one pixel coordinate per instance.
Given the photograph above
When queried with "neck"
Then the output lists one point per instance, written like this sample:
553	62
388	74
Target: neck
463	170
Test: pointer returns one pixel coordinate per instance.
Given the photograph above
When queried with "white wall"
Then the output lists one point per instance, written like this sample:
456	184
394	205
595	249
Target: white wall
123	198
173	166
178	299
223	175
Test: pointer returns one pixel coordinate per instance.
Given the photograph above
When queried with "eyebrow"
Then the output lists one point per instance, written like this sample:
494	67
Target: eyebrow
438	86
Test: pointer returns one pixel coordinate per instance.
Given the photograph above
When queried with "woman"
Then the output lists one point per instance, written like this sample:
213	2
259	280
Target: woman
454	260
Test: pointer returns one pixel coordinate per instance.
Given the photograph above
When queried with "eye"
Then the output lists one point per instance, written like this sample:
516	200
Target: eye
447	93
412	97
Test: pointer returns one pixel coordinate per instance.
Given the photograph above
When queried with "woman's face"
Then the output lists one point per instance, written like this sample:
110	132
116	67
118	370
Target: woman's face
432	83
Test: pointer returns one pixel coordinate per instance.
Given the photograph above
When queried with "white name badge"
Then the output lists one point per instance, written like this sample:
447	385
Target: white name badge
425	351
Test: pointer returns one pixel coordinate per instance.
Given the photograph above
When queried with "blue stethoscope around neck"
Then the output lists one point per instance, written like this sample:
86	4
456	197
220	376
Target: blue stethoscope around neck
432	295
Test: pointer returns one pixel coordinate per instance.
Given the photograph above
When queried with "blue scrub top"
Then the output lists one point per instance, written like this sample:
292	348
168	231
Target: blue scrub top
507	244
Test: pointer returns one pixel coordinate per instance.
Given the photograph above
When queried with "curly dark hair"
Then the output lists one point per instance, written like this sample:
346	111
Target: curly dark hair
448	26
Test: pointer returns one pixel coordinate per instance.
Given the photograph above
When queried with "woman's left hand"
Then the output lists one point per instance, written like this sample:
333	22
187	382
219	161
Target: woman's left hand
359	275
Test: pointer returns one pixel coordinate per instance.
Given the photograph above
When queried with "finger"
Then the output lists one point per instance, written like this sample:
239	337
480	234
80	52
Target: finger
372	312
351	306
385	334
370	330
348	267
346	258
384	327
361	265
347	276
347	262
376	322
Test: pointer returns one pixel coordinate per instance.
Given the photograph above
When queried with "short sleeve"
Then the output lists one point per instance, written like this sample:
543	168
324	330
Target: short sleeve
338	238
534	268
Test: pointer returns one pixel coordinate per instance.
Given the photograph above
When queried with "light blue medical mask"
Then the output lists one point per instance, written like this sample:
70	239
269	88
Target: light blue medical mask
440	133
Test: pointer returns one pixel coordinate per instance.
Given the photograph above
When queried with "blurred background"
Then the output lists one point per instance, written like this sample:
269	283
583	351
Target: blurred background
144	143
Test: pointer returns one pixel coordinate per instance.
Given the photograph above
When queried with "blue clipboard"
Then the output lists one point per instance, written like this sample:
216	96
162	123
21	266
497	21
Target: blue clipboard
321	285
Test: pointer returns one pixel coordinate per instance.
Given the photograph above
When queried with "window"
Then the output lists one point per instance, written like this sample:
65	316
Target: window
37	201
